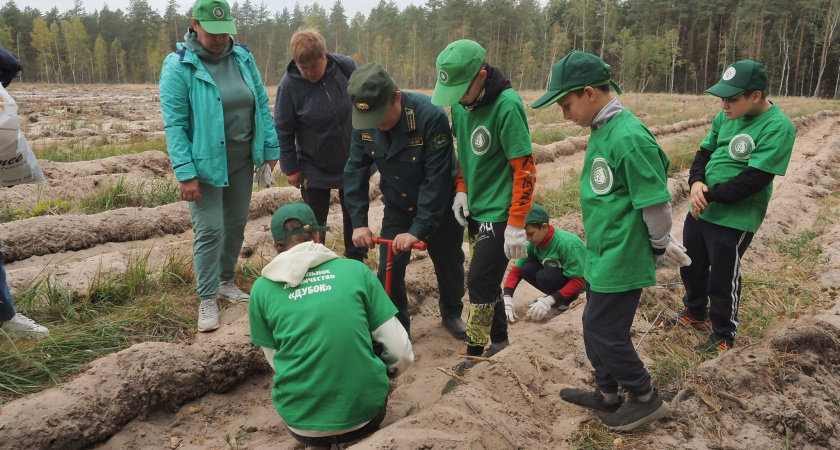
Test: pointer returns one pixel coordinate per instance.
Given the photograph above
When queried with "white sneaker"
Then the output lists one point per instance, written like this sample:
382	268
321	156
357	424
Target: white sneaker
208	316
229	290
24	326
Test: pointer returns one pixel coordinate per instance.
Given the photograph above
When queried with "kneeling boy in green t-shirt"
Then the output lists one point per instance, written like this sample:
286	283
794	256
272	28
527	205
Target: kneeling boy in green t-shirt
314	314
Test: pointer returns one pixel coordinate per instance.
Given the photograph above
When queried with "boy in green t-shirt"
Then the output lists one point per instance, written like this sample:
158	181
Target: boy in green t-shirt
314	315
554	265
495	184
626	211
731	180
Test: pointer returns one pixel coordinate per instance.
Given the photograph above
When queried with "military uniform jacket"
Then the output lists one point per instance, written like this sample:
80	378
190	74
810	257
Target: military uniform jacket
417	167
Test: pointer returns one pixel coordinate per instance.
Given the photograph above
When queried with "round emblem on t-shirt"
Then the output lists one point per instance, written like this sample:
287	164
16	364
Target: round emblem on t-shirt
218	12
551	263
480	140
444	77
729	74
741	146
601	178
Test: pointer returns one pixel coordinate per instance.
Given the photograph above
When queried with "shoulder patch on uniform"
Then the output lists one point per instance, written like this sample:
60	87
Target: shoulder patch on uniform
440	141
367	137
409	115
415	142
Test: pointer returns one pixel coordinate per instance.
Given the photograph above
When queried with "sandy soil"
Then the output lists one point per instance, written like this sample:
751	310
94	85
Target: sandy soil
208	394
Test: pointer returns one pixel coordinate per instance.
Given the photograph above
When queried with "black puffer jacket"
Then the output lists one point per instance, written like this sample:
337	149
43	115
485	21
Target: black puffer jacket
313	123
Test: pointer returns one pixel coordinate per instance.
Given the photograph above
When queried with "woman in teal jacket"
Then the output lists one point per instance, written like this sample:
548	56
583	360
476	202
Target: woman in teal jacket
218	128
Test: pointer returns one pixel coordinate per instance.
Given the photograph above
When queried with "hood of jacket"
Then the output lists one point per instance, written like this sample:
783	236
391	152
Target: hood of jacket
191	43
291	266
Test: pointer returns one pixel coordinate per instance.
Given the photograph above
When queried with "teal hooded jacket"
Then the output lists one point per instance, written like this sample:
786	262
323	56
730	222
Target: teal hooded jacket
194	120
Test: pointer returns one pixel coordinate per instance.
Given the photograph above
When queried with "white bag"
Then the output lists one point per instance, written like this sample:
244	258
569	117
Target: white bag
18	164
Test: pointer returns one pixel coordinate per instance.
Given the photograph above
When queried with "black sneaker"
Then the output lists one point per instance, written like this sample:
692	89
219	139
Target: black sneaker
635	413
687	320
456	327
494	348
564	305
589	399
715	344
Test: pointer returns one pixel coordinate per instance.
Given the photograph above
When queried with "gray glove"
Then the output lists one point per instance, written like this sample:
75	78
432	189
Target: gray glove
515	242
460	207
674	256
262	177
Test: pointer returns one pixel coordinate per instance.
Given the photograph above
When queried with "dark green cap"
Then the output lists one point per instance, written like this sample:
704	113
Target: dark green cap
576	70
214	16
744	75
538	215
294	210
370	89
457	65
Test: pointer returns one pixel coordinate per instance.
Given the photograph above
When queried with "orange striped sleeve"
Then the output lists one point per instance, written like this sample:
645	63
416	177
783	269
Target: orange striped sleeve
524	179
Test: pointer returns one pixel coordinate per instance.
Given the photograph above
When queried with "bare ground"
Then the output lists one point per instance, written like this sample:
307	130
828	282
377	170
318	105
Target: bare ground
208	394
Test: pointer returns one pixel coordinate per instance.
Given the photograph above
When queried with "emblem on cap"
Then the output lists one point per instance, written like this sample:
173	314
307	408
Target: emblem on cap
729	74
218	12
444	77
362	106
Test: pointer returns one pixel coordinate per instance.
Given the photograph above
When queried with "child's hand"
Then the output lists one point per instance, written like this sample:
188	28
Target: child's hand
697	199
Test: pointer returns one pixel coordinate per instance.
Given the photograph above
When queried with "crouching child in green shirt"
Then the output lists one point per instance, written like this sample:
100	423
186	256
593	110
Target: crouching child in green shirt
626	211
314	315
554	265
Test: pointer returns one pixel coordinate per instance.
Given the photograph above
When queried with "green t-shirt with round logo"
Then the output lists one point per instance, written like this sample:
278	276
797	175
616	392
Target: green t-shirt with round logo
328	377
624	170
565	251
487	138
764	142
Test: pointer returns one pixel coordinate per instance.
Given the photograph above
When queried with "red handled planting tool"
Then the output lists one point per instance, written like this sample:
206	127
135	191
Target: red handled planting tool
390	264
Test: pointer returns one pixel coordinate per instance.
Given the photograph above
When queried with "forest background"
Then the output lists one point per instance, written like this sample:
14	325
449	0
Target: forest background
652	45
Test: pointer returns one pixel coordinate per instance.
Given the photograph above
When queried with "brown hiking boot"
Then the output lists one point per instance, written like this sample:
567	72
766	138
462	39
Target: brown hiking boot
687	320
589	399
635	413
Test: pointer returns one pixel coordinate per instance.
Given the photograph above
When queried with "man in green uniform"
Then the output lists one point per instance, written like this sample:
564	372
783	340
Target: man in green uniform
409	141
314	315
626	211
731	180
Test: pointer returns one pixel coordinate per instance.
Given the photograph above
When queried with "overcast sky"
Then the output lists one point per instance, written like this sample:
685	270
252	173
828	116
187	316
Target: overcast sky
350	6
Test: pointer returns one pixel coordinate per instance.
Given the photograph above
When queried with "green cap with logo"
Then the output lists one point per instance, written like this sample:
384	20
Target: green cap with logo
744	75
214	16
370	89
457	65
294	210
537	216
576	70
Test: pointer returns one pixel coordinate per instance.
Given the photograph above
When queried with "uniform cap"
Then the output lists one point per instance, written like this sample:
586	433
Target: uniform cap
370	90
744	75
457	65
294	210
576	70
214	16
538	215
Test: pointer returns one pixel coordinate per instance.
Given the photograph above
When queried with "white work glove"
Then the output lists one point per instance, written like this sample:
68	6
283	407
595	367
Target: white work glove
509	311
674	256
515	242
460	207
540	307
262	177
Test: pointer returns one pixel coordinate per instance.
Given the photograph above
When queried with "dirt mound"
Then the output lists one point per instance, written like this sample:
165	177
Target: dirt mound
784	388
120	387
